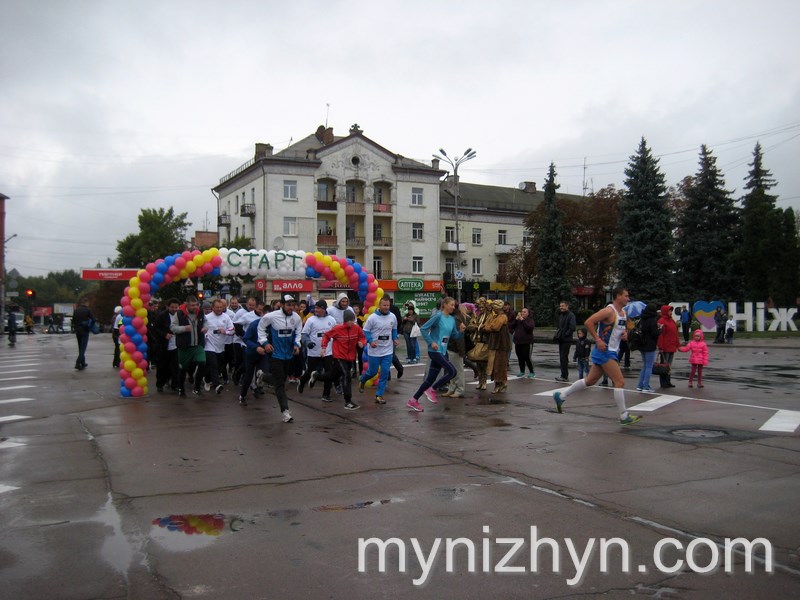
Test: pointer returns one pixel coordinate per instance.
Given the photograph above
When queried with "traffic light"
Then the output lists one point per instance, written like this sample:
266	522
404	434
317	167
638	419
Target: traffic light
201	294
31	294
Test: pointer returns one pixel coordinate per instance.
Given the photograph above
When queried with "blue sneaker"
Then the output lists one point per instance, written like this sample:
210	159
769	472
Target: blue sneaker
531	375
559	401
521	374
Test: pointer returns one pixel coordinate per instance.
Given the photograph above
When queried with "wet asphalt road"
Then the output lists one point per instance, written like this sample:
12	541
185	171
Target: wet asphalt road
103	497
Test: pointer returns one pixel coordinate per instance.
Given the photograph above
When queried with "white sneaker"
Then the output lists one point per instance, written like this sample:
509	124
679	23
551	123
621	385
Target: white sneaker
259	378
207	386
287	417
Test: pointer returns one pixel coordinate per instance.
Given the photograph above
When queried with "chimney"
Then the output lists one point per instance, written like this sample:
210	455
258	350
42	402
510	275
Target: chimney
320	132
529	187
263	150
327	136
435	164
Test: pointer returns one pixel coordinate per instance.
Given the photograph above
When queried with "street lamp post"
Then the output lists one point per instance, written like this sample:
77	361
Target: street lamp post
469	154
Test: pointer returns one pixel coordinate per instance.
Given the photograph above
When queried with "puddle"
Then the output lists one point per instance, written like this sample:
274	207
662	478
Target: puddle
117	550
192	531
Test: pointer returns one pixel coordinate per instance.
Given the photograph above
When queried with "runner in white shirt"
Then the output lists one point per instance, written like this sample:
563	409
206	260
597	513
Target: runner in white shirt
319	358
380	330
219	326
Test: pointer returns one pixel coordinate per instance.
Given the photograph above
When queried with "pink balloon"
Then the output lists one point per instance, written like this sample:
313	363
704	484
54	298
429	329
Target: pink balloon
145	298
327	273
186	255
145	277
167	278
150	268
371	298
216	260
173	271
137	357
207	268
125	300
370	278
348	270
130	347
180	263
372	286
311	260
195	253
123	374
343	262
128	310
137	391
142	364
125	338
137	322
130	383
144	287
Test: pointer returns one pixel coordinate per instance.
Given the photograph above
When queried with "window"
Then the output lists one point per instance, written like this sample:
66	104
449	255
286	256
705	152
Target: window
290	189
416	196
378	195
322	192
290	226
450	235
416	264
476	236
244	230
502	237
527	240
416	231
476	266
237	204
351	193
252	195
377	267
450	267
377	231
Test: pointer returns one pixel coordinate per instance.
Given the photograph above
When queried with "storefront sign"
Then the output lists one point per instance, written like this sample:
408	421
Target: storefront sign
108	274
302	285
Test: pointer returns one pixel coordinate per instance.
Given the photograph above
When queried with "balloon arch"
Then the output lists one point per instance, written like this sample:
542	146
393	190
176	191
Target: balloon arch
225	262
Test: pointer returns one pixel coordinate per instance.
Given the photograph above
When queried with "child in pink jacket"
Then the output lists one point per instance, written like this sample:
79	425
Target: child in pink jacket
698	357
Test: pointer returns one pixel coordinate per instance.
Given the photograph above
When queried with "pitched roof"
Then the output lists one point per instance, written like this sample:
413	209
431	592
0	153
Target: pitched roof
491	197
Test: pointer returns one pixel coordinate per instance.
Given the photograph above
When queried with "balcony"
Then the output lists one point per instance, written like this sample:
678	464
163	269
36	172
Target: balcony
330	241
382	274
382	242
248	210
325	205
355	242
355	208
503	248
382	208
224	220
451	247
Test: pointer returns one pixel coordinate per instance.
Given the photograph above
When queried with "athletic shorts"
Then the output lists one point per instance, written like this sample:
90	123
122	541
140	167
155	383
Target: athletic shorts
601	357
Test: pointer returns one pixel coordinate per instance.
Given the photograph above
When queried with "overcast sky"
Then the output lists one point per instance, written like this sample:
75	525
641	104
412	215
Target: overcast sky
109	107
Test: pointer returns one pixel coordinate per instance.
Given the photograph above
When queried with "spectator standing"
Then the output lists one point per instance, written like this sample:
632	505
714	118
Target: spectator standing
456	348
698	357
730	329
668	342
116	326
686	324
565	329
719	319
410	319
12	331
583	347
82	320
649	326
521	327
499	347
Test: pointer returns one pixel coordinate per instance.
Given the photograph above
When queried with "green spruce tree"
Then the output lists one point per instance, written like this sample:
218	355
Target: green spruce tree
551	261
644	240
787	258
708	236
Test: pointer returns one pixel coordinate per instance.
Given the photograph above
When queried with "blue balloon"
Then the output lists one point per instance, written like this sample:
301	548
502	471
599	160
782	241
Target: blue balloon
142	348
169	261
362	276
124	391
127	321
215	271
161	268
136	338
357	267
158	278
130	330
310	272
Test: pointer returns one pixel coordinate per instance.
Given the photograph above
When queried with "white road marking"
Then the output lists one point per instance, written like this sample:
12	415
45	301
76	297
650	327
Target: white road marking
655	403
7	488
783	420
15	387
7	444
10	418
18	371
10	400
18	378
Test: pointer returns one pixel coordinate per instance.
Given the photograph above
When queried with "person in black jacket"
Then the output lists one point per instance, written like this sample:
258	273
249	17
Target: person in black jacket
566	329
190	333
167	353
583	348
82	320
650	330
521	327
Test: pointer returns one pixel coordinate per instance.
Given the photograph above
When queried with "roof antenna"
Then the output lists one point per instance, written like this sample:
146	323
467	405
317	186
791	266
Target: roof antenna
327	112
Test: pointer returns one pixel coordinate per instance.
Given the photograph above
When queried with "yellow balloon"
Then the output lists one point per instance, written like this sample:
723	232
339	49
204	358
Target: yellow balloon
125	357
141	313
137	373
371	310
326	260
207	256
134	282
130	366
190	267
142	381
214	252
184	274
199	260
379	293
335	266
318	255
134	292
137	303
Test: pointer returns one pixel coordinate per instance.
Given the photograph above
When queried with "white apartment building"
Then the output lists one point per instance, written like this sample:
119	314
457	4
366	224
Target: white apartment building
352	197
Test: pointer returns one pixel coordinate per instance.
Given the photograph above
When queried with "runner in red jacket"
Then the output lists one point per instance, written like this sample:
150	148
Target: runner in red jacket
347	339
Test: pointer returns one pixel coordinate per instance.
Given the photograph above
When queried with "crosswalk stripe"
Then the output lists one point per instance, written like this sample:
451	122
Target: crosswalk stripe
14	365
10	418
18	371
655	403
783	420
7	488
11	400
15	387
18	378
8	444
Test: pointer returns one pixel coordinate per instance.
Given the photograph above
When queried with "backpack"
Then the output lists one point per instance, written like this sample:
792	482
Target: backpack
636	336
